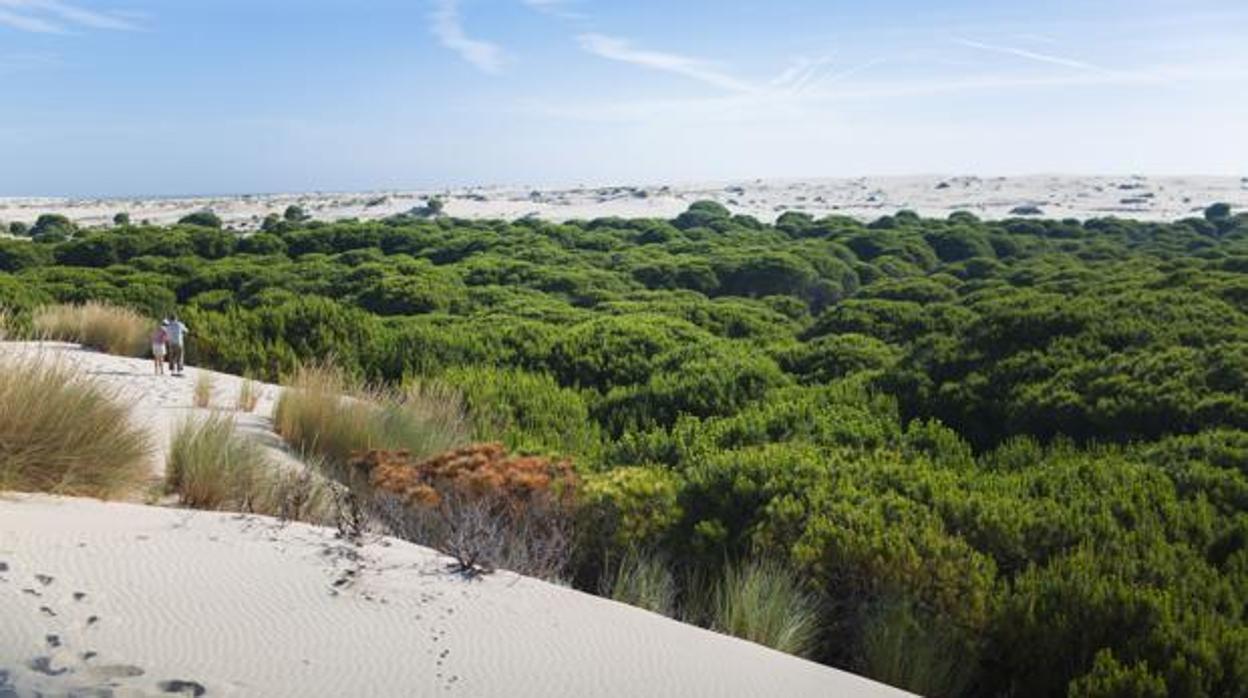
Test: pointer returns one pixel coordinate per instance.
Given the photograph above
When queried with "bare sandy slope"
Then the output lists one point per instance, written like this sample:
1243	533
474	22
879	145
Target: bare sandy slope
159	403
125	596
867	198
126	600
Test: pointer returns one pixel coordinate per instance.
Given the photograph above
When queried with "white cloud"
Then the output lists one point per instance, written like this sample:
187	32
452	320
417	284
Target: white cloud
1031	55
616	49
27	23
446	24
56	17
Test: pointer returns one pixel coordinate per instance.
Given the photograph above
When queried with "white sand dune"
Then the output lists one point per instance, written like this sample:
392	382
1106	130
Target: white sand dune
119	599
866	198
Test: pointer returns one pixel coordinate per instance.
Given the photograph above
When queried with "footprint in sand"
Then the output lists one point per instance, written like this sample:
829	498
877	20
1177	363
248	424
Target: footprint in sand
181	687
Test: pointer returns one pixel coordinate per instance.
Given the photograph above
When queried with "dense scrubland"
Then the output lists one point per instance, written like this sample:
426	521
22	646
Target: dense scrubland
1005	458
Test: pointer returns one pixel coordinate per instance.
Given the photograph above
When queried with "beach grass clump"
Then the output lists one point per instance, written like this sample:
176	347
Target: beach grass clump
107	328
762	602
63	432
644	581
321	412
904	647
248	396
202	395
211	466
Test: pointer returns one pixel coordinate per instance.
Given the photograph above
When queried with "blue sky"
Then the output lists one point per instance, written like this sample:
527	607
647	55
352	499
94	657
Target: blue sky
133	97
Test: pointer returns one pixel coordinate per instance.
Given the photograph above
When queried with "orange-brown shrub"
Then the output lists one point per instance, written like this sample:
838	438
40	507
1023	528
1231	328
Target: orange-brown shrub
481	506
478	470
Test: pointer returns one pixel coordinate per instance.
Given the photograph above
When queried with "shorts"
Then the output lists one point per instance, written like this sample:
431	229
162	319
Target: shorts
158	350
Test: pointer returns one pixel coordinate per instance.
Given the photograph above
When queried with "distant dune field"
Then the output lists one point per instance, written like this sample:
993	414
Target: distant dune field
1148	198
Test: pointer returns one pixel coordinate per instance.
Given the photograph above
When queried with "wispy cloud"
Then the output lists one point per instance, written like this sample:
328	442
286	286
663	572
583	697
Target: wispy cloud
616	49
556	8
447	25
56	17
823	100
1031	55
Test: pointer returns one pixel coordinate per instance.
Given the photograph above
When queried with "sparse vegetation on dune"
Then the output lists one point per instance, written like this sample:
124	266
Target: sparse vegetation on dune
212	466
108	328
63	433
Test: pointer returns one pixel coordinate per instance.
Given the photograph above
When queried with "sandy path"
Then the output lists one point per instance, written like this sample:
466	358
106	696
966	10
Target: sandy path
128	598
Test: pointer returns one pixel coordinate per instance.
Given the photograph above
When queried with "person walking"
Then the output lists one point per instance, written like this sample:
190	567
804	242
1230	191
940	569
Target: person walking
160	342
177	333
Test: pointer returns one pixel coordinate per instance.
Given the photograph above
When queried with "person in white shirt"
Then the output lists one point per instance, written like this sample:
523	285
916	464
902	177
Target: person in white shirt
176	333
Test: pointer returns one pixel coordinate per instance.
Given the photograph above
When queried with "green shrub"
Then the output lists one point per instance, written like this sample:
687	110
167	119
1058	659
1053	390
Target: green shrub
529	412
630	507
207	219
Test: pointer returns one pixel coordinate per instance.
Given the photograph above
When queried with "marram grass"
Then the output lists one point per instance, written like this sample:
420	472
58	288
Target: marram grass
65	433
107	328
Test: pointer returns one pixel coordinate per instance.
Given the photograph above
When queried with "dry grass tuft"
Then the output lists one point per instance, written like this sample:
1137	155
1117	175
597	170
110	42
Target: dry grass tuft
64	433
248	396
212	467
202	396
321	412
103	327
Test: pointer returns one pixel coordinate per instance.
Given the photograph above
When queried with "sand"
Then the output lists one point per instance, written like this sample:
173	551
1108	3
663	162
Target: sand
865	198
116	598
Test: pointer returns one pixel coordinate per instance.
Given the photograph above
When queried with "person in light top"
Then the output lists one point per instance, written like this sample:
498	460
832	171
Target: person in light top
160	341
176	332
